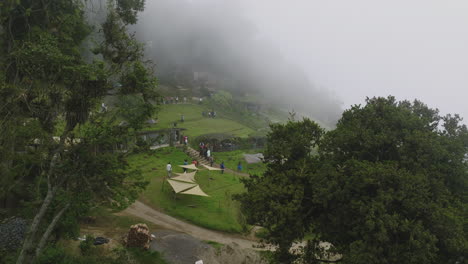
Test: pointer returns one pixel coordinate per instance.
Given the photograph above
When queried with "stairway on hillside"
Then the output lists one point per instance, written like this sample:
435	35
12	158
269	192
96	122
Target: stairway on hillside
196	155
202	160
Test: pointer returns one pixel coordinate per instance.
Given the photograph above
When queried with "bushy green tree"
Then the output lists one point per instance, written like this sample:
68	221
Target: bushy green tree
58	150
393	184
388	186
222	100
277	200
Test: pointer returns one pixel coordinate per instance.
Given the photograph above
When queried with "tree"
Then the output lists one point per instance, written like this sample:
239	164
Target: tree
57	148
392	186
222	99
388	186
277	200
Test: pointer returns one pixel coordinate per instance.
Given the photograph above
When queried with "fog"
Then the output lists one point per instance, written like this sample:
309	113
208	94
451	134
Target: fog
317	56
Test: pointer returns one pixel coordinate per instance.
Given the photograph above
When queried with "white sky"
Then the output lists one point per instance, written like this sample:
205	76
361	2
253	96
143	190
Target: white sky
358	48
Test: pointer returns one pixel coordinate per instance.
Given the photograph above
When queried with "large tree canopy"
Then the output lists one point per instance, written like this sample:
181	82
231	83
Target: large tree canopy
388	185
57	148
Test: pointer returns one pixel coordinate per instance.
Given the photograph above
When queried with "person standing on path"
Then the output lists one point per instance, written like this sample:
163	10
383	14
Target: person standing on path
208	153
222	167
185	163
169	170
239	167
211	161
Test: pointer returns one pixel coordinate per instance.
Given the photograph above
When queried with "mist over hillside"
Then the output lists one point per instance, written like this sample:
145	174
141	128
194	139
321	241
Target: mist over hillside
186	39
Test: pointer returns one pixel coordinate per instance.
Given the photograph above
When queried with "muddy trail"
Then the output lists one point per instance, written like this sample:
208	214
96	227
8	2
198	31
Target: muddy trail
147	213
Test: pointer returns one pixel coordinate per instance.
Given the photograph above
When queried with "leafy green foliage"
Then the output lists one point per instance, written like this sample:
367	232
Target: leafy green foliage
277	200
86	245
59	155
388	186
394	170
56	254
222	99
128	10
118	46
134	110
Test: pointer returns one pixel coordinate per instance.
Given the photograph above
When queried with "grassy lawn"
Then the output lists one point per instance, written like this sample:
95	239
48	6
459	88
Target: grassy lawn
195	123
232	158
217	212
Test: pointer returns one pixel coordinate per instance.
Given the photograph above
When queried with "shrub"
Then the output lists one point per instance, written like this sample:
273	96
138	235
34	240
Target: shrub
86	245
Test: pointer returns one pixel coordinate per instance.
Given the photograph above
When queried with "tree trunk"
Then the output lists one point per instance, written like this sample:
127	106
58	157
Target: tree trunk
27	250
49	230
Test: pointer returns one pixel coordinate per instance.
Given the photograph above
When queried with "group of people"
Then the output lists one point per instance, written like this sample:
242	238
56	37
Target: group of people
205	150
210	114
195	162
173	100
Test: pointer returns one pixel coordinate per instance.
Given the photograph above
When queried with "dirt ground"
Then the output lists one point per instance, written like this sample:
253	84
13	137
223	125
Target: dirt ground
182	242
147	213
180	248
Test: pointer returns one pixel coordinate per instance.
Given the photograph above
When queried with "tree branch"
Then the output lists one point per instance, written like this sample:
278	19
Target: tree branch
28	241
49	230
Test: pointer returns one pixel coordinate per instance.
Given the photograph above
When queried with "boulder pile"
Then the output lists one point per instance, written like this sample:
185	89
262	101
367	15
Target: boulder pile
138	236
12	233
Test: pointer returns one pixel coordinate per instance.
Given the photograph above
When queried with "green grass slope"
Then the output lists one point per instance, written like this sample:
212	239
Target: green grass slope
232	158
196	124
218	212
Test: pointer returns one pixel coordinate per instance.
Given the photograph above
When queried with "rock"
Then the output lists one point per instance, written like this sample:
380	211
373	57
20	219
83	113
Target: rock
12	233
100	241
138	236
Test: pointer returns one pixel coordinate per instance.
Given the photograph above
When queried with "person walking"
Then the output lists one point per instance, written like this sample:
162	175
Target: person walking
239	167
169	170
208	153
222	167
185	163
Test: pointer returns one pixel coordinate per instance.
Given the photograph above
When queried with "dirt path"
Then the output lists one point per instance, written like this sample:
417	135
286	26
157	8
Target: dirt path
147	213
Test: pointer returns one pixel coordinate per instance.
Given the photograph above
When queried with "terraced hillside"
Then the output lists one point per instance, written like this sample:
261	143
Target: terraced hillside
196	124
